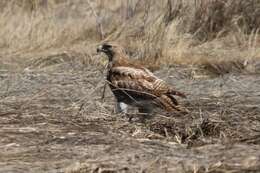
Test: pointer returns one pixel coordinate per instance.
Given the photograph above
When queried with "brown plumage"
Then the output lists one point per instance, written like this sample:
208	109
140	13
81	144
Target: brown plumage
132	84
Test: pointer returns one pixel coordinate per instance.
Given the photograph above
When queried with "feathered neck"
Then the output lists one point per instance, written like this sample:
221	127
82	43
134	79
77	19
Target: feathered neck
119	59
110	56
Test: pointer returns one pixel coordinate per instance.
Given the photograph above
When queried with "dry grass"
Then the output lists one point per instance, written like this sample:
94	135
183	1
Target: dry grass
54	120
186	32
52	117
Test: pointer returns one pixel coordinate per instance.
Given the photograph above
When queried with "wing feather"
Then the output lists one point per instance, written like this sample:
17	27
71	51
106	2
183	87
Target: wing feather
134	73
141	79
133	85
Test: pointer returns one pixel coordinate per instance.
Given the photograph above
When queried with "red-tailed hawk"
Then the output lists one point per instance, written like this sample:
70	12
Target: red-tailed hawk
132	84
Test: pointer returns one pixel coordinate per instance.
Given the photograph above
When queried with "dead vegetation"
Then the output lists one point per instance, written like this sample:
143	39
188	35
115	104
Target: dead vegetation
187	32
52	116
51	119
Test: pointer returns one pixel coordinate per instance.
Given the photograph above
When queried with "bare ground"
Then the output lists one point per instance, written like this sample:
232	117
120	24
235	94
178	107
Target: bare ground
52	119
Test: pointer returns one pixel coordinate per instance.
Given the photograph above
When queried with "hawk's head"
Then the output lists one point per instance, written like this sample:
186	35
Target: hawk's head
111	50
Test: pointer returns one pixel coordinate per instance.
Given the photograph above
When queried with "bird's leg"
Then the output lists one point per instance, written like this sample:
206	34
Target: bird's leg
145	112
145	109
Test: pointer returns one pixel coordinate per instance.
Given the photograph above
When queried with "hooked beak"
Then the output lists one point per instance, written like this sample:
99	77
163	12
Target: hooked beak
99	49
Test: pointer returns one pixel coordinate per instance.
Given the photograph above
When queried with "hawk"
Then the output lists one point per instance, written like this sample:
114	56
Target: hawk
133	84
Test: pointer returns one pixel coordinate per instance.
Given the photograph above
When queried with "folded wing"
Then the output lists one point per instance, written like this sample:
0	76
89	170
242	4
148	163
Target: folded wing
141	84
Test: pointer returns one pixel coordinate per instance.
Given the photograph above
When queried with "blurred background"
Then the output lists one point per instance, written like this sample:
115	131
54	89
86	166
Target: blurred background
207	32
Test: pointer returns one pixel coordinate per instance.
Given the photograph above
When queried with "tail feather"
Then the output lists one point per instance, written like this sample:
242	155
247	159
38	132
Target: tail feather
168	103
173	99
177	93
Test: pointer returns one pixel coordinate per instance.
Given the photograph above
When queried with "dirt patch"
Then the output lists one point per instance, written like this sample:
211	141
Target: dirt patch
55	121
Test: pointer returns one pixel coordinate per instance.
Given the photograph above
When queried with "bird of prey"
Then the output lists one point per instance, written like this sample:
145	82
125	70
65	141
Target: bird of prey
133	84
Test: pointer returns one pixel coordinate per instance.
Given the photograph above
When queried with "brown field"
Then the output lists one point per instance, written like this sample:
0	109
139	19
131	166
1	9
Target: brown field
52	115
